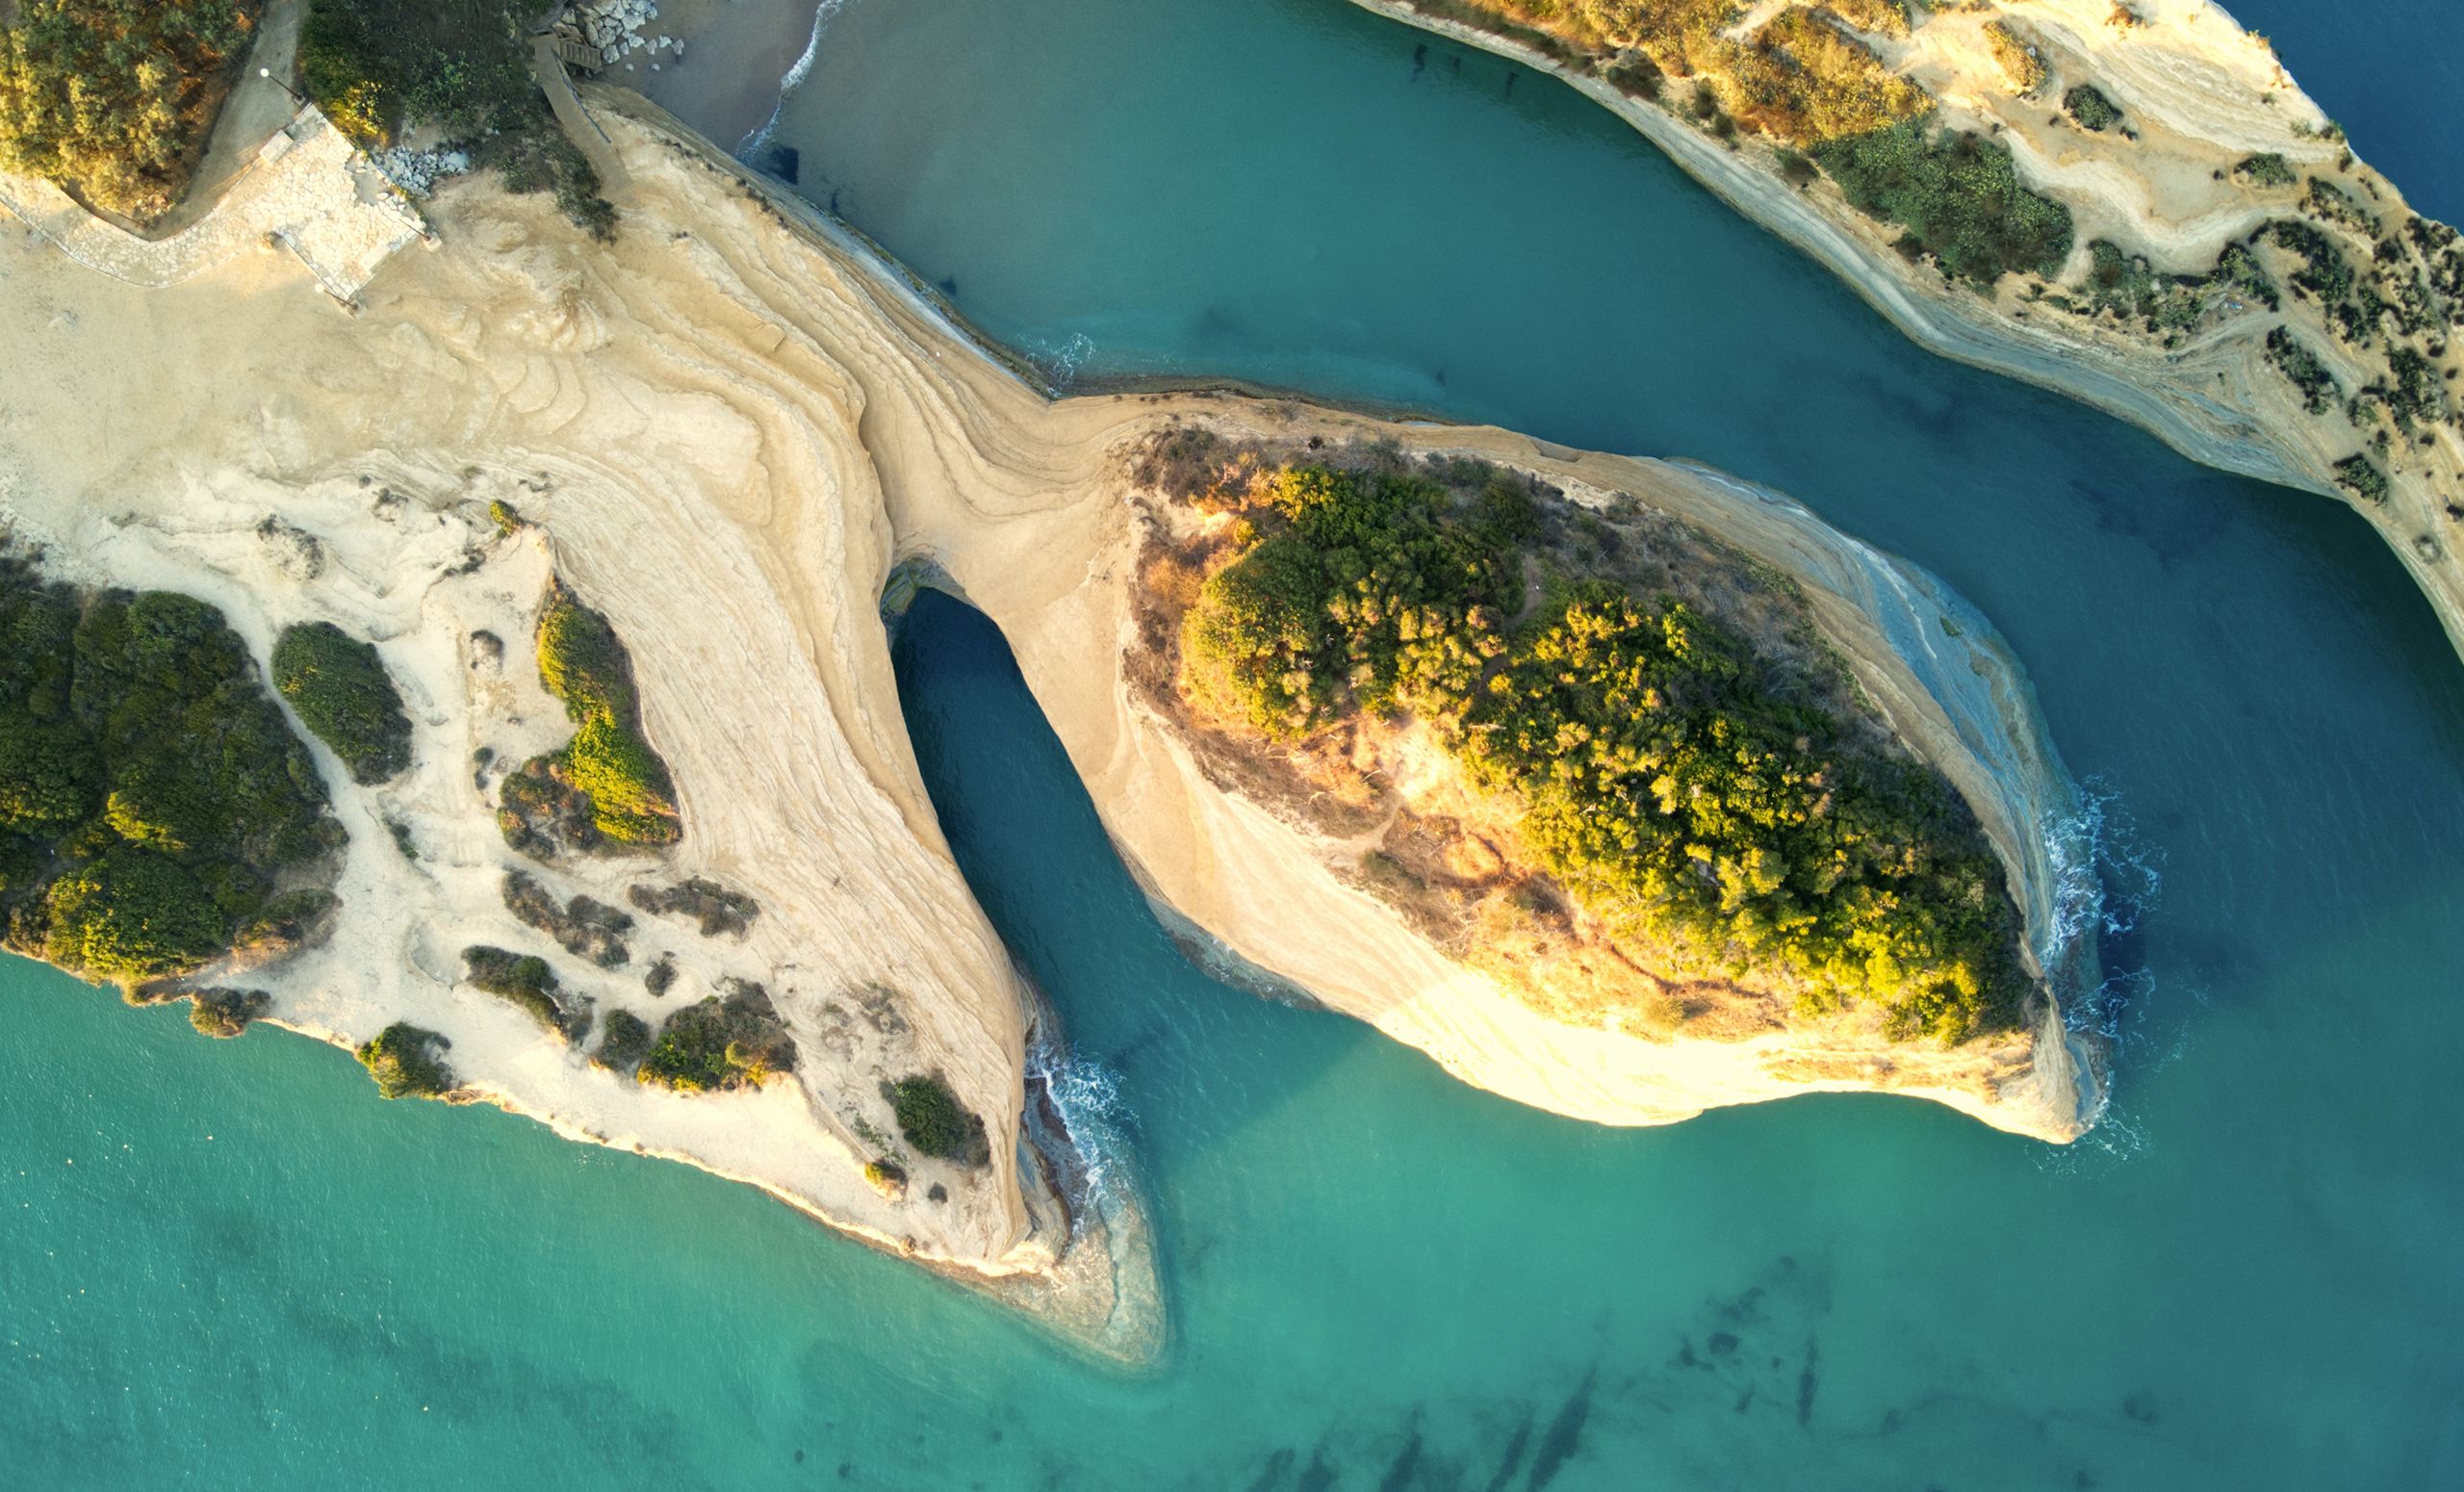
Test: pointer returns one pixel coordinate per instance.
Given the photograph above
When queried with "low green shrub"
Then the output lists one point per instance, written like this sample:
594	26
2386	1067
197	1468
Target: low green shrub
343	693
2266	169
1957	193
463	66
2361	477
2288	355
224	1013
403	1058
151	794
624	1042
2325	274
581	662
115	98
2021	63
720	1044
2088	105
527	982
932	1120
133	915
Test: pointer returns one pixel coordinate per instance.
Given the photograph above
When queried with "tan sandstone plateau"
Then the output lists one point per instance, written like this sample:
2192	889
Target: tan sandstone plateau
729	432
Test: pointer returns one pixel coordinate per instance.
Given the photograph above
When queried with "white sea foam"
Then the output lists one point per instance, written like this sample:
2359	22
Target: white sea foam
794	78
1060	363
1088	1096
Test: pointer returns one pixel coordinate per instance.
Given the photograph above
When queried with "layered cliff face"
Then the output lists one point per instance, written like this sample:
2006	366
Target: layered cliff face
2128	201
721	437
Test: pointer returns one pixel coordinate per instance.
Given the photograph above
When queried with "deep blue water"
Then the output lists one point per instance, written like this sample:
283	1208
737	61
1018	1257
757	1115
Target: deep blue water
1379	1277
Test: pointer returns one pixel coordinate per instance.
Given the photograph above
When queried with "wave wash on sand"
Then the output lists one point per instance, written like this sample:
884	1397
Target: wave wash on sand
725	434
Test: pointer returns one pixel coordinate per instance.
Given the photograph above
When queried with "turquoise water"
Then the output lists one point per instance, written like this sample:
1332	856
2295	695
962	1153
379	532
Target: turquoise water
1380	1278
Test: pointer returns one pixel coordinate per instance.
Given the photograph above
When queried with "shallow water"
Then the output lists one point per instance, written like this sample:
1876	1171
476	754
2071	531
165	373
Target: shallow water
1381	1278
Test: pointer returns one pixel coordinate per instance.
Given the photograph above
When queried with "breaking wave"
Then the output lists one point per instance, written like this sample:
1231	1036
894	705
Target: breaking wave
794	78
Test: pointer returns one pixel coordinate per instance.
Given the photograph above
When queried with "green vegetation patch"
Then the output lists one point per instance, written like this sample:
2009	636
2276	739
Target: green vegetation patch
932	1120
2325	274
115	97
723	1043
527	982
464	66
625	1039
2289	356
405	1062
631	799
131	915
224	1014
1799	78
1958	196
2087	104
152	795
342	692
2021	61
2266	169
2128	286
2361	477
1686	790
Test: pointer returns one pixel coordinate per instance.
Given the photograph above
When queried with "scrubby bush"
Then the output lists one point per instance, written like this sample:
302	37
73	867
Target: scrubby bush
2291	357
115	97
625	1039
2325	273
403	1058
2018	57
224	1013
582	663
2088	105
2361	477
720	1044
932	1120
528	984
341	689
1957	193
2266	169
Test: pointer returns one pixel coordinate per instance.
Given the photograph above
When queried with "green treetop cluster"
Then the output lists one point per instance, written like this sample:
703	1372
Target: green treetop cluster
150	791
1685	791
114	96
343	693
582	663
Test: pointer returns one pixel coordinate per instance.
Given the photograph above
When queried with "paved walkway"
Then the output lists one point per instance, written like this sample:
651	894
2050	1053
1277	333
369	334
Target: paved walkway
262	102
309	190
575	116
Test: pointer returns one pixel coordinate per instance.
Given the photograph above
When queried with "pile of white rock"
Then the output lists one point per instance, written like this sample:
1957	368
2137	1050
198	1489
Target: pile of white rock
417	171
615	28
